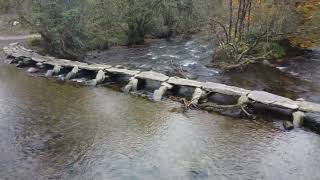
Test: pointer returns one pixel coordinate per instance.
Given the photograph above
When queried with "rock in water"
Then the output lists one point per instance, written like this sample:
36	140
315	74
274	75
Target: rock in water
198	93
33	70
49	73
101	76
55	71
40	65
288	125
158	94
72	74
298	118
132	85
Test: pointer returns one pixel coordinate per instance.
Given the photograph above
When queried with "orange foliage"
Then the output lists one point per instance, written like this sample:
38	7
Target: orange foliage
307	34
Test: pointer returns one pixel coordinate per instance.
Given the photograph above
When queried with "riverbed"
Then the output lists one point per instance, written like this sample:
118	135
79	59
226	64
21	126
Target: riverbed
56	130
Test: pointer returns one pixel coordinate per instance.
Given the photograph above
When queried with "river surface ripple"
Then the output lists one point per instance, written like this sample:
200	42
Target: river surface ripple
298	77
54	130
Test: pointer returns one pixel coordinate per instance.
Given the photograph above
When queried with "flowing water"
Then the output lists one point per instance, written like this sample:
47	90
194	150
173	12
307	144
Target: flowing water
299	78
55	130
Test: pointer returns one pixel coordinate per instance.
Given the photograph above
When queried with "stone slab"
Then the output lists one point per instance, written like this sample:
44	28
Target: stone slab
122	71
94	67
151	75
224	89
273	100
308	106
184	82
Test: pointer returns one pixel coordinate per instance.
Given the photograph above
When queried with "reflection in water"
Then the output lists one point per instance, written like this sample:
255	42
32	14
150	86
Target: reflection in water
52	130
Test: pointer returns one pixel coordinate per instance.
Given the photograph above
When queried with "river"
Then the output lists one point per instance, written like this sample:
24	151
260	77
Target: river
297	78
55	130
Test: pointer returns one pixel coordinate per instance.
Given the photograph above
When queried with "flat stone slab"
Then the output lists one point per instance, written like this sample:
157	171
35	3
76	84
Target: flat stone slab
184	82
95	67
61	62
39	58
151	75
273	100
308	106
224	89
122	71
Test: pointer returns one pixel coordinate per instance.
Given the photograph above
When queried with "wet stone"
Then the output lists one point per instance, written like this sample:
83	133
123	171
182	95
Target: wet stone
288	125
151	75
33	70
21	64
40	65
273	100
298	118
312	121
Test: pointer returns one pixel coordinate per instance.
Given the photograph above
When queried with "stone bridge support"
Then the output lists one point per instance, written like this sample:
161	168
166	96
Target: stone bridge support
73	73
100	77
198	93
55	71
132	85
158	94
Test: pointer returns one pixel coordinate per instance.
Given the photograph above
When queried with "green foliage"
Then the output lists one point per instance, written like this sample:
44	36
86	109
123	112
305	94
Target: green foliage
35	42
5	5
269	50
277	50
73	26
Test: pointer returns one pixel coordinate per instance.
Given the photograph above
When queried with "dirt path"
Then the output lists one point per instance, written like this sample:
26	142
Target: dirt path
17	37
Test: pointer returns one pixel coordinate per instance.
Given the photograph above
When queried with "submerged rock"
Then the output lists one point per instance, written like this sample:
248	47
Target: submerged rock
199	174
288	125
33	70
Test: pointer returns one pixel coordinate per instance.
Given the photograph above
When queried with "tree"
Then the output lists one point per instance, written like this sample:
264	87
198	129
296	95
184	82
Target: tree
250	28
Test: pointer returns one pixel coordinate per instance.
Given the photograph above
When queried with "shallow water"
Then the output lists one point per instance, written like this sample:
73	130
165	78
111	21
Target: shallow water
293	79
54	130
